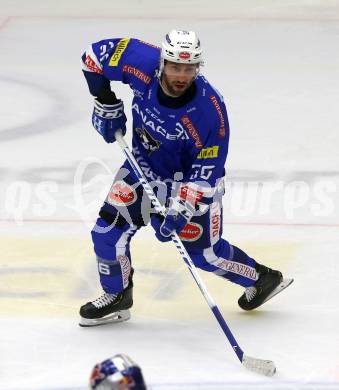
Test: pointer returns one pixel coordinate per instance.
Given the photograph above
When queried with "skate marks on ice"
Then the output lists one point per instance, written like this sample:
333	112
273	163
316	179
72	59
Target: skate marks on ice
41	105
41	273
55	276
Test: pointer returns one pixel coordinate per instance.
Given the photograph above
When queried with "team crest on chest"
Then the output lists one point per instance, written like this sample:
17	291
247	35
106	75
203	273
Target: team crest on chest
148	142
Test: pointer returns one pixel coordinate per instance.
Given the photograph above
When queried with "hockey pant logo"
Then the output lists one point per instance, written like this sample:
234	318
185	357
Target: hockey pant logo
191	232
121	194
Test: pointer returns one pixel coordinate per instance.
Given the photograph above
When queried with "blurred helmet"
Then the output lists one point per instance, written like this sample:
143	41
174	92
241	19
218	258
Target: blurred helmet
117	373
182	47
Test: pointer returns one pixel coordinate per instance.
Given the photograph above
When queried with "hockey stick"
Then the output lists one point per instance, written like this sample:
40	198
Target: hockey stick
265	367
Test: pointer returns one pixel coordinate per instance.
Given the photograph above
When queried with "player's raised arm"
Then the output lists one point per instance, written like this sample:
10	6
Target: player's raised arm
127	60
108	113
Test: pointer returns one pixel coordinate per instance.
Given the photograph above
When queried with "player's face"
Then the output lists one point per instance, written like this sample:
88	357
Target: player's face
178	77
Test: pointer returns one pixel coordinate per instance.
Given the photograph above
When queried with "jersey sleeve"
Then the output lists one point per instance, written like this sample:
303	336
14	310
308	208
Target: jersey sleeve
127	60
207	153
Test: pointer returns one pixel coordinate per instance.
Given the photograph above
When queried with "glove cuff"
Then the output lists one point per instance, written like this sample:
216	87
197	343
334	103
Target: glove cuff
109	111
182	207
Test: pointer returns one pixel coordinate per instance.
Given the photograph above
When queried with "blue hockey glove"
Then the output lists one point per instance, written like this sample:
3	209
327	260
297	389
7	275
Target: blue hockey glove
156	222
108	118
177	216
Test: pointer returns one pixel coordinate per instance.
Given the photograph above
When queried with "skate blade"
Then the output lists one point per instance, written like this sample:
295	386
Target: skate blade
119	316
284	284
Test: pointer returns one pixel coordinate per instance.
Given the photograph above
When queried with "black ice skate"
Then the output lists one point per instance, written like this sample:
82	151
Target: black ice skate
270	283
108	308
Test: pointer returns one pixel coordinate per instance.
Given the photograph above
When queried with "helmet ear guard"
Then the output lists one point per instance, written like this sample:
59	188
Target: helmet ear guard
182	47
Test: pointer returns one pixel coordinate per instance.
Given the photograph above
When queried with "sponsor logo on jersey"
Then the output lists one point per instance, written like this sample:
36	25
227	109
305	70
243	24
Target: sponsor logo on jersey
137	73
221	117
238	268
148	142
215	222
119	50
144	165
190	195
137	93
151	114
191	232
184	55
191	129
121	194
91	65
180	132
211	152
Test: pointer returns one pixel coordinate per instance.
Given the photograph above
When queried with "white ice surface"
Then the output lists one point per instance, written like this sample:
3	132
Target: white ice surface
277	65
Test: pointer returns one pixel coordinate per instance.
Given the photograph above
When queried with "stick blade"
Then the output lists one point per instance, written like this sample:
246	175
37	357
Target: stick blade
264	367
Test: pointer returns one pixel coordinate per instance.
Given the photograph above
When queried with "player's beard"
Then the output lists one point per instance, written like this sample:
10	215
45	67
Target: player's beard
174	88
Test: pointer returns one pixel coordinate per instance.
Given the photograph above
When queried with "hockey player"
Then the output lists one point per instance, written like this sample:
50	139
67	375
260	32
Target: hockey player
180	137
117	373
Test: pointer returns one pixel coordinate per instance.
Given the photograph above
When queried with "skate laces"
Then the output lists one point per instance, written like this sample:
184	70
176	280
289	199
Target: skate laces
104	300
250	293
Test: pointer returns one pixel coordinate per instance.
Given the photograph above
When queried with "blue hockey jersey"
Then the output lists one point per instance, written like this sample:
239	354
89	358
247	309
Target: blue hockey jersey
189	142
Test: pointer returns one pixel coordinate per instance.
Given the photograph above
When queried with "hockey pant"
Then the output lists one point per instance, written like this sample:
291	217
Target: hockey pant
125	211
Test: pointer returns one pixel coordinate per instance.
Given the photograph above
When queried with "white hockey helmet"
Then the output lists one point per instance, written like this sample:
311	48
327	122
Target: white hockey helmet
182	47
